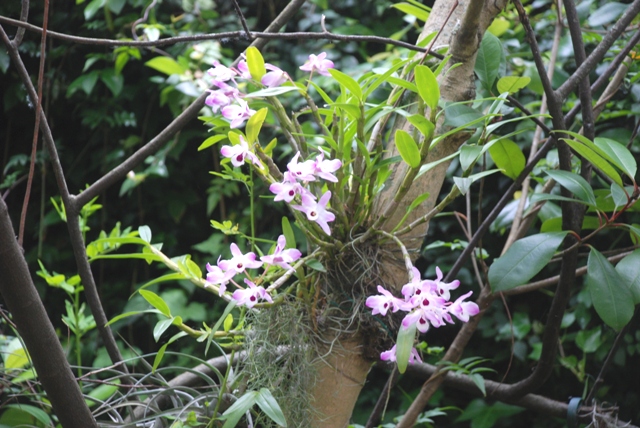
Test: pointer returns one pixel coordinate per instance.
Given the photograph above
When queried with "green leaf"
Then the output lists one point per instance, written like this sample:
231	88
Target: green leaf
427	84
468	155
145	233
116	6
407	148
462	116
464	183
508	157
86	82
254	124
159	355
160	327
113	81
102	393
228	322
156	301
620	155
593	154
404	345
269	405
423	124
629	270
287	230
272	92
211	141
523	260
16	415
575	184
618	195
488	60
589	340
237	410
417	201
608	12
255	62
611	298
512	84
316	265
165	65
92	8
347	82
412	10
479	381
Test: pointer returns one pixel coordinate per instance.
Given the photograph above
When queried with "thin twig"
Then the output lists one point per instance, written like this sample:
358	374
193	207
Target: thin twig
243	21
34	143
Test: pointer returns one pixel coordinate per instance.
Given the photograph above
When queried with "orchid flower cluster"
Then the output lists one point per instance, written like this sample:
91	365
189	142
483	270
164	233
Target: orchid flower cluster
225	270
427	303
228	99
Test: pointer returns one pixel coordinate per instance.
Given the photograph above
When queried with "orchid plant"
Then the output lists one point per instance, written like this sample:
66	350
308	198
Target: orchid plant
306	186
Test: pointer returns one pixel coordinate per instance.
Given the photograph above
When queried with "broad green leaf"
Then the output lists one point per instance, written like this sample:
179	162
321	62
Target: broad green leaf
479	381
255	62
555	224
102	393
92	8
254	124
512	84
423	124
611	297
629	270
618	195
287	230
427	84
165	65
116	6
412	10
523	260
211	141
237	410
608	12
488	60
156	301
86	82
598	161
269	405
589	340
20	415
407	148
316	265
347	82
621	156
404	345
508	157
468	155
113	81
14	355
462	116
145	233
575	184
499	26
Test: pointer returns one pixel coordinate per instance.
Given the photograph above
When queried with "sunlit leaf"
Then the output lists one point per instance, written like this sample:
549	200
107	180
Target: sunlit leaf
407	148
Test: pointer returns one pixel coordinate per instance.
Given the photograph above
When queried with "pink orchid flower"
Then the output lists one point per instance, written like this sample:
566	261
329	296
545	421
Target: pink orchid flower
442	288
239	153
239	262
275	76
381	303
318	63
250	296
282	257
463	310
317	211
243	68
221	73
324	168
390	355
303	171
286	190
237	114
217	277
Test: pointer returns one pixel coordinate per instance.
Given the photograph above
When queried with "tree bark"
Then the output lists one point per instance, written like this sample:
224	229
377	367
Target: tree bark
32	322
